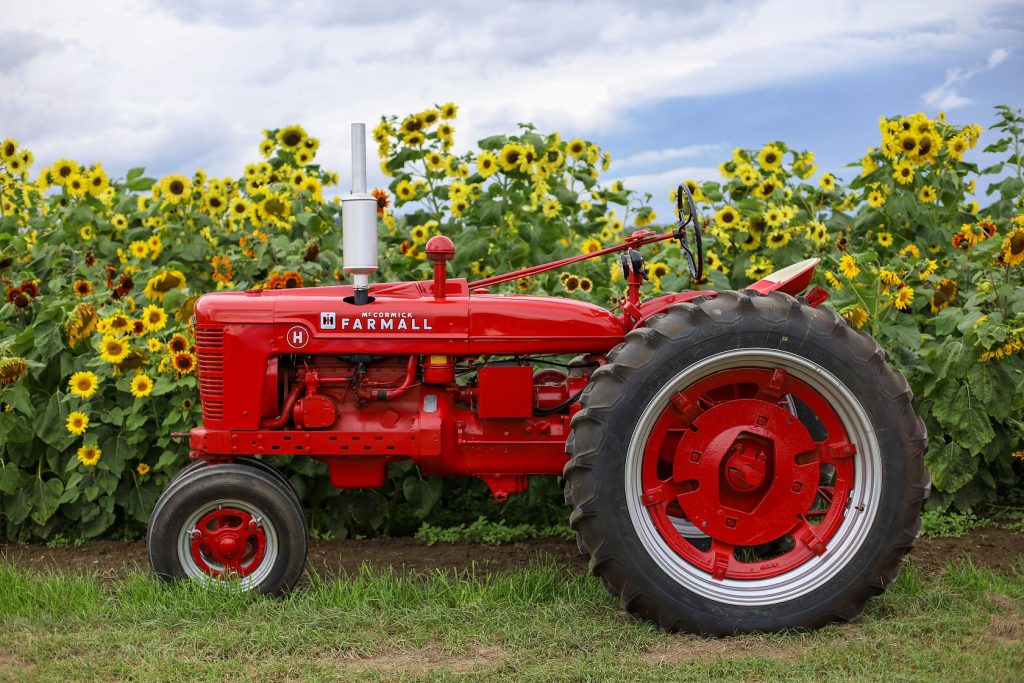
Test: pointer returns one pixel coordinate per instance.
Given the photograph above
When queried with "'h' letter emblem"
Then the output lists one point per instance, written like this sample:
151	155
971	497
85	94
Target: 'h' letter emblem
297	337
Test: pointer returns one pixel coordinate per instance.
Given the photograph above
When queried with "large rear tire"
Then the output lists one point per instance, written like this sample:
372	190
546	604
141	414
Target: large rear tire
746	463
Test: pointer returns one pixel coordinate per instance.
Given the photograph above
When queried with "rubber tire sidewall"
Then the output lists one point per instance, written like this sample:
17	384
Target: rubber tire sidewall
231	481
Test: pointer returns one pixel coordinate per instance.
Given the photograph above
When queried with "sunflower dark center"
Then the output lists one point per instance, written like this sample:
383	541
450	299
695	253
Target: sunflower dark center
176	187
292	138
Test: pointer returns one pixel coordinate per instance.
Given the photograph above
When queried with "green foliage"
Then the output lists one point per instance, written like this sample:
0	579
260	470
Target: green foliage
490	533
950	524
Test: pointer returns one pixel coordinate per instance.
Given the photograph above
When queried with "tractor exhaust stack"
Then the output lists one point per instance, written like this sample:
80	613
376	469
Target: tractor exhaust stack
359	222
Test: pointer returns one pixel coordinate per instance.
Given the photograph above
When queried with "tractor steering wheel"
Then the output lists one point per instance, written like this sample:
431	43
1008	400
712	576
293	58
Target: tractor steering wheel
694	263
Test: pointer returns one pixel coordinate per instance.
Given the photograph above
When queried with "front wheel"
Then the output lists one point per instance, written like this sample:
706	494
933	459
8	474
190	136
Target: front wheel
231	523
746	463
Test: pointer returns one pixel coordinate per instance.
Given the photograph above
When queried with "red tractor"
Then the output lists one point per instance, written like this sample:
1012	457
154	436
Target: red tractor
734	461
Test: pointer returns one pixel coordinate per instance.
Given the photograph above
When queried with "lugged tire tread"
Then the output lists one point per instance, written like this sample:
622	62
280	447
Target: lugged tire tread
696	318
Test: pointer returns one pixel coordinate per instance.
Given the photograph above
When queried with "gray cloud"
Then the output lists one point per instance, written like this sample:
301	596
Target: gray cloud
18	47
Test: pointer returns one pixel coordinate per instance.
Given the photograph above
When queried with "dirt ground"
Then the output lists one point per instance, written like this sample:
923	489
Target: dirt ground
998	549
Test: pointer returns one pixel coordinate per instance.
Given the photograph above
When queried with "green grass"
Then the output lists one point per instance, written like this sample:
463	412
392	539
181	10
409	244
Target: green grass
537	624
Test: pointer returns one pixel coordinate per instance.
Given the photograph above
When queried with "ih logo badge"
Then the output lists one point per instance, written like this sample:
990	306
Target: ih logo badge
328	321
297	337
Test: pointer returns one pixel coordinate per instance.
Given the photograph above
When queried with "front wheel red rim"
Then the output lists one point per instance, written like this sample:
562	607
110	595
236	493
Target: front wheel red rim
228	540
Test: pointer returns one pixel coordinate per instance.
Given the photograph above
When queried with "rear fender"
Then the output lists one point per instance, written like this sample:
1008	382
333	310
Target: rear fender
792	280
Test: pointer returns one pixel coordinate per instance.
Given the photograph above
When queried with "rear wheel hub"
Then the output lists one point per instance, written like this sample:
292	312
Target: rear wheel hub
746	472
729	457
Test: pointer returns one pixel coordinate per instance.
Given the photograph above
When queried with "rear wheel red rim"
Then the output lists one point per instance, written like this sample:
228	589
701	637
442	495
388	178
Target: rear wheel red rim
765	489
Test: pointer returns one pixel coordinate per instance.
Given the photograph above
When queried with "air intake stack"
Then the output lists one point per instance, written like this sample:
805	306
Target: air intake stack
359	221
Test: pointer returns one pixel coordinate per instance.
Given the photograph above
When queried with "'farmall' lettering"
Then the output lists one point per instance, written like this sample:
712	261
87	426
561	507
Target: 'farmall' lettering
385	321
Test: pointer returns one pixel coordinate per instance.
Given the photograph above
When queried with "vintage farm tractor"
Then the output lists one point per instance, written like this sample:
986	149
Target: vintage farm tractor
734	461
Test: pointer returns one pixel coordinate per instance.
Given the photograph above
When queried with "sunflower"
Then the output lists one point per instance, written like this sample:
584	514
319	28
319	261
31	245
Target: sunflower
62	170
154	345
590	245
142	469
885	239
139	248
80	324
97	181
178	344
239	208
83	384
903	298
77	422
890	278
291	137
154	318
848	267
114	349
776	239
551	208
9	150
75	185
907	143
856	315
726	217
927	194
876	198
12	369
486	164
163	282
910	250
1013	247
586	284
511	157
749	241
142	385
405	190
774	216
945	294
571	282
658	270
89	455
759	267
175	188
765	189
267	147
449	111
291	279
183	362
576	148
120	222
275	208
904	172
82	288
827	182
770	157
831	278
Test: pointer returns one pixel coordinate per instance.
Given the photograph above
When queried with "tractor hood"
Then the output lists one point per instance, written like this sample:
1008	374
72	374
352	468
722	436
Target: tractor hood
407	318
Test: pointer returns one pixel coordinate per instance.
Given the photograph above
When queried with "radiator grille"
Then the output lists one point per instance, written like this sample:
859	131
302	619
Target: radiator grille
210	344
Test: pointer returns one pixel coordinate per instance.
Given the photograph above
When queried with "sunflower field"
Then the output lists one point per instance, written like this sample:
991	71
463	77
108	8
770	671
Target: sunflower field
98	366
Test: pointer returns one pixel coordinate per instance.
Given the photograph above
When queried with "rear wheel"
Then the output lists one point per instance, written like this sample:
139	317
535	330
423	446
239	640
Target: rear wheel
746	463
229	523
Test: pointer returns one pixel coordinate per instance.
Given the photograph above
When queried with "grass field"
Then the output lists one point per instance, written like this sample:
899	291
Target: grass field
541	623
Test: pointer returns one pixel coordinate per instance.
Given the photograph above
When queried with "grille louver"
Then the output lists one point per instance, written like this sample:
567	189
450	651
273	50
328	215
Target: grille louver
210	344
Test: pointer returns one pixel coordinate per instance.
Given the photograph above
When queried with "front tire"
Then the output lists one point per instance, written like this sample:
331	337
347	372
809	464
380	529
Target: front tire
746	463
230	523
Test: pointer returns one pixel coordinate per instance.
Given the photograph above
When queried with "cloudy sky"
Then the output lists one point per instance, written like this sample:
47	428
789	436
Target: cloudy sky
669	87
